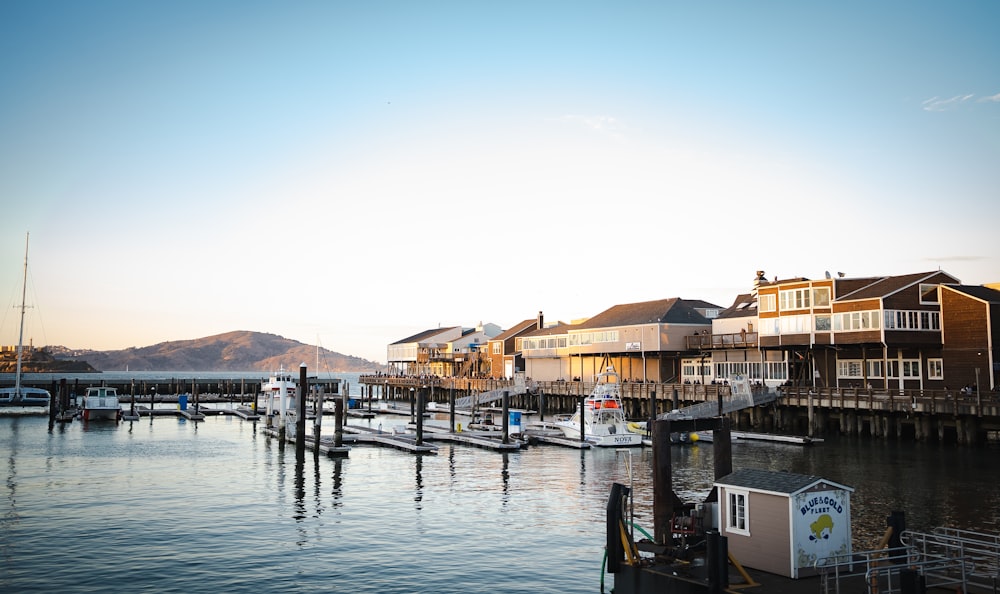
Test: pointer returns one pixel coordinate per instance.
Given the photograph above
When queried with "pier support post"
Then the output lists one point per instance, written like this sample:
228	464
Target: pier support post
318	421
300	414
420	417
583	421
506	417
451	409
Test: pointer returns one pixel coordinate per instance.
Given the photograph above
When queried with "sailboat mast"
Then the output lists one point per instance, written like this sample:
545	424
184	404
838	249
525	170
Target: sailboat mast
20	336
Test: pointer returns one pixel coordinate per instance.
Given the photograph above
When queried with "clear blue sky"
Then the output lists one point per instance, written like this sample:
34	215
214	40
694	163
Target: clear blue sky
356	172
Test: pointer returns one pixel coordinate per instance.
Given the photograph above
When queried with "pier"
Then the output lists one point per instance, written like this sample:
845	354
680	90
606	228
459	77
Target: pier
917	415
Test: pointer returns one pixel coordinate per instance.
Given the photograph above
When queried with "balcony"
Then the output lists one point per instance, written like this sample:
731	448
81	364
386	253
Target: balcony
737	340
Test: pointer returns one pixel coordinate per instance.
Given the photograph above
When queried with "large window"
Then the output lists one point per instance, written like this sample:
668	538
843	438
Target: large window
928	294
854	369
796	324
821	297
736	518
907	368
765	303
794	299
856	320
896	319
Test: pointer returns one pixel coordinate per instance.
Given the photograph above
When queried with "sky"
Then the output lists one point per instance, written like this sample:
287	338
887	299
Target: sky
351	173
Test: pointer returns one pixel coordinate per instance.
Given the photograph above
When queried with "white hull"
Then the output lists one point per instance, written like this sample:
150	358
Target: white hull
100	404
614	436
100	414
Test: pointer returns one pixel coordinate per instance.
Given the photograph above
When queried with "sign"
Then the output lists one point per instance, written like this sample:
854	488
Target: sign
633	346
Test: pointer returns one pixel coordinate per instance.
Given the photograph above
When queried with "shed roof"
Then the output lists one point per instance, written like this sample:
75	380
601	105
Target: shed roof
423	336
978	292
785	483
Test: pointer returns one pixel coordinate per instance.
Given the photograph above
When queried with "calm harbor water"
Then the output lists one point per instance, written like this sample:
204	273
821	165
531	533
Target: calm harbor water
169	505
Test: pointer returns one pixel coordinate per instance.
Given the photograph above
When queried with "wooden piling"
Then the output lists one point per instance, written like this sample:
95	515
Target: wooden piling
300	416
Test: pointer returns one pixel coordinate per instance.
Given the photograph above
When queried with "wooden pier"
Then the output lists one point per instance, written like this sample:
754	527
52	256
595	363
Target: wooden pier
916	415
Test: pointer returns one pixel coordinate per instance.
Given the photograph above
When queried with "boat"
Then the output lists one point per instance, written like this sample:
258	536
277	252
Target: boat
101	404
279	400
18	399
604	422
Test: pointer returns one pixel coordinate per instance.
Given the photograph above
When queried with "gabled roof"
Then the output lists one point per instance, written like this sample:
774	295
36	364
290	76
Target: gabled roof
663	311
423	336
784	483
560	328
888	285
986	294
743	306
517	329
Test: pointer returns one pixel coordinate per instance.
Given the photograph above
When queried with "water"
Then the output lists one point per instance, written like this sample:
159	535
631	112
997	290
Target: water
170	505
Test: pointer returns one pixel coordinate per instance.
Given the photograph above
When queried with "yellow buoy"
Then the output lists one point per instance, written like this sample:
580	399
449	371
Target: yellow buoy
693	436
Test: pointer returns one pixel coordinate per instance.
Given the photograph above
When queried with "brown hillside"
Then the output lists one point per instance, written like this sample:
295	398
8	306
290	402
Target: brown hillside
232	351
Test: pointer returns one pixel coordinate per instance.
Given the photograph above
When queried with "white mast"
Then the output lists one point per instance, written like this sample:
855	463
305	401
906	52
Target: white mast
20	336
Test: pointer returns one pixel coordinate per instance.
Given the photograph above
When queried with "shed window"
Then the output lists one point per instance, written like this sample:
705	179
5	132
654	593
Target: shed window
736	516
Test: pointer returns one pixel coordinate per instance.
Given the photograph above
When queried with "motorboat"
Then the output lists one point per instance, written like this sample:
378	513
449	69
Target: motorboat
603	415
279	394
101	403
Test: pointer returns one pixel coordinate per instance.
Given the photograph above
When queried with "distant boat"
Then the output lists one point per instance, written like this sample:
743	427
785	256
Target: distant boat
101	404
20	399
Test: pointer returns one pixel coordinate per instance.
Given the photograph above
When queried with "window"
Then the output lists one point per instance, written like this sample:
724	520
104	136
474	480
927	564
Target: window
765	302
794	299
912	320
736	518
856	320
821	297
910	368
928	294
823	323
498	348
935	369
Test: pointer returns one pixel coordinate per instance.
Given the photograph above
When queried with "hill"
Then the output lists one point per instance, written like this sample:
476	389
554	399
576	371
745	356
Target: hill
232	351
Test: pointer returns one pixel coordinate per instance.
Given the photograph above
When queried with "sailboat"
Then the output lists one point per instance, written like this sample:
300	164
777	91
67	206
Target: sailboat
19	398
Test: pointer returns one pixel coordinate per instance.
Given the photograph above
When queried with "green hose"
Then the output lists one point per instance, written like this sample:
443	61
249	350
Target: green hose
604	562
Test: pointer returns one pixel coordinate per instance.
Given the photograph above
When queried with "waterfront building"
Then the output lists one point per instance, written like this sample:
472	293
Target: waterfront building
970	326
448	352
504	356
643	341
921	331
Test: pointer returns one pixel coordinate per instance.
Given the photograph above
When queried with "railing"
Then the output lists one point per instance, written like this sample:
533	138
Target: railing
722	341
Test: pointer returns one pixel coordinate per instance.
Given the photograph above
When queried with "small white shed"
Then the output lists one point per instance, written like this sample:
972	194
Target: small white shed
782	522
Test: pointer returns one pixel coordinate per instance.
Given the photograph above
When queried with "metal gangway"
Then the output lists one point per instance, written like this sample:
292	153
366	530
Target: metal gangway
741	397
945	559
520	386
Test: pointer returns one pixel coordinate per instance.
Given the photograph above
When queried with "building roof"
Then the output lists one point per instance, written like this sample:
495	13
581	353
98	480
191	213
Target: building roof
772	481
887	285
743	306
559	328
980	292
663	311
423	336
517	329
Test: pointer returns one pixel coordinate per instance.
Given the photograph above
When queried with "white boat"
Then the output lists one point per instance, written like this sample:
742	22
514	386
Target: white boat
279	400
101	403
604	422
18	399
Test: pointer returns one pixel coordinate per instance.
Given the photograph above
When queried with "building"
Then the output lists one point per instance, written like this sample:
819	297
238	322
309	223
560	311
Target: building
781	522
643	341
970	327
504	357
449	352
